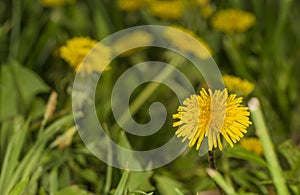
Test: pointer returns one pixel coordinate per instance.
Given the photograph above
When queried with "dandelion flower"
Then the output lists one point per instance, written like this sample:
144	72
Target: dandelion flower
252	144
232	20
207	10
210	115
130	5
237	85
77	48
166	10
188	44
201	2
55	3
134	39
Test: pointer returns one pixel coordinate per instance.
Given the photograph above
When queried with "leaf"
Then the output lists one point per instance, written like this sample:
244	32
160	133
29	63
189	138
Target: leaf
8	96
167	185
140	181
243	154
37	108
290	152
122	184
19	188
71	190
19	86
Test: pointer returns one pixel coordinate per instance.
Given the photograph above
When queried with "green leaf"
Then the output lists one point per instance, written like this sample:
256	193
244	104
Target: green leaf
290	152
140	181
8	96
37	108
243	154
19	86
122	184
167	185
71	190
19	188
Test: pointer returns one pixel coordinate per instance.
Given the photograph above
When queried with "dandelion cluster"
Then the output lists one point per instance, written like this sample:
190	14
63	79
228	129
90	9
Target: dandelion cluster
232	20
210	115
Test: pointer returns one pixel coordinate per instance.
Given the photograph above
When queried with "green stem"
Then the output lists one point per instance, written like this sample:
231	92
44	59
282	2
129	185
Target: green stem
263	133
109	169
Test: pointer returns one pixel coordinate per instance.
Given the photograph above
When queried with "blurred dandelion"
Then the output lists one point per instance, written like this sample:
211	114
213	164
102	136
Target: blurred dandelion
201	2
237	85
131	40
166	10
130	6
207	10
189	44
209	115
232	20
252	144
56	3
77	48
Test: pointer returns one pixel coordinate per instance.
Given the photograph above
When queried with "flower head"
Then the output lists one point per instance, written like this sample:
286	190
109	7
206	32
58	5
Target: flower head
130	6
232	20
77	48
132	40
252	144
188	44
207	10
237	85
210	115
55	3
166	10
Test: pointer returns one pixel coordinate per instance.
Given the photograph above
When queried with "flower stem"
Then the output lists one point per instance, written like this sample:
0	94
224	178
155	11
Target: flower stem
212	165
271	157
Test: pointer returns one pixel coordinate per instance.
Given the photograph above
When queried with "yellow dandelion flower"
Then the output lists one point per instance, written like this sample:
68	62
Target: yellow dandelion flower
237	85
187	44
232	20
206	10
56	3
252	144
201	2
210	115
77	48
131	40
166	10
130	5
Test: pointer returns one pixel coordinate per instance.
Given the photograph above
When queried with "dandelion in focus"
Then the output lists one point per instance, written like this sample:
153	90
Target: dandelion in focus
56	3
232	20
242	87
252	144
130	6
166	10
210	115
76	50
188	44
